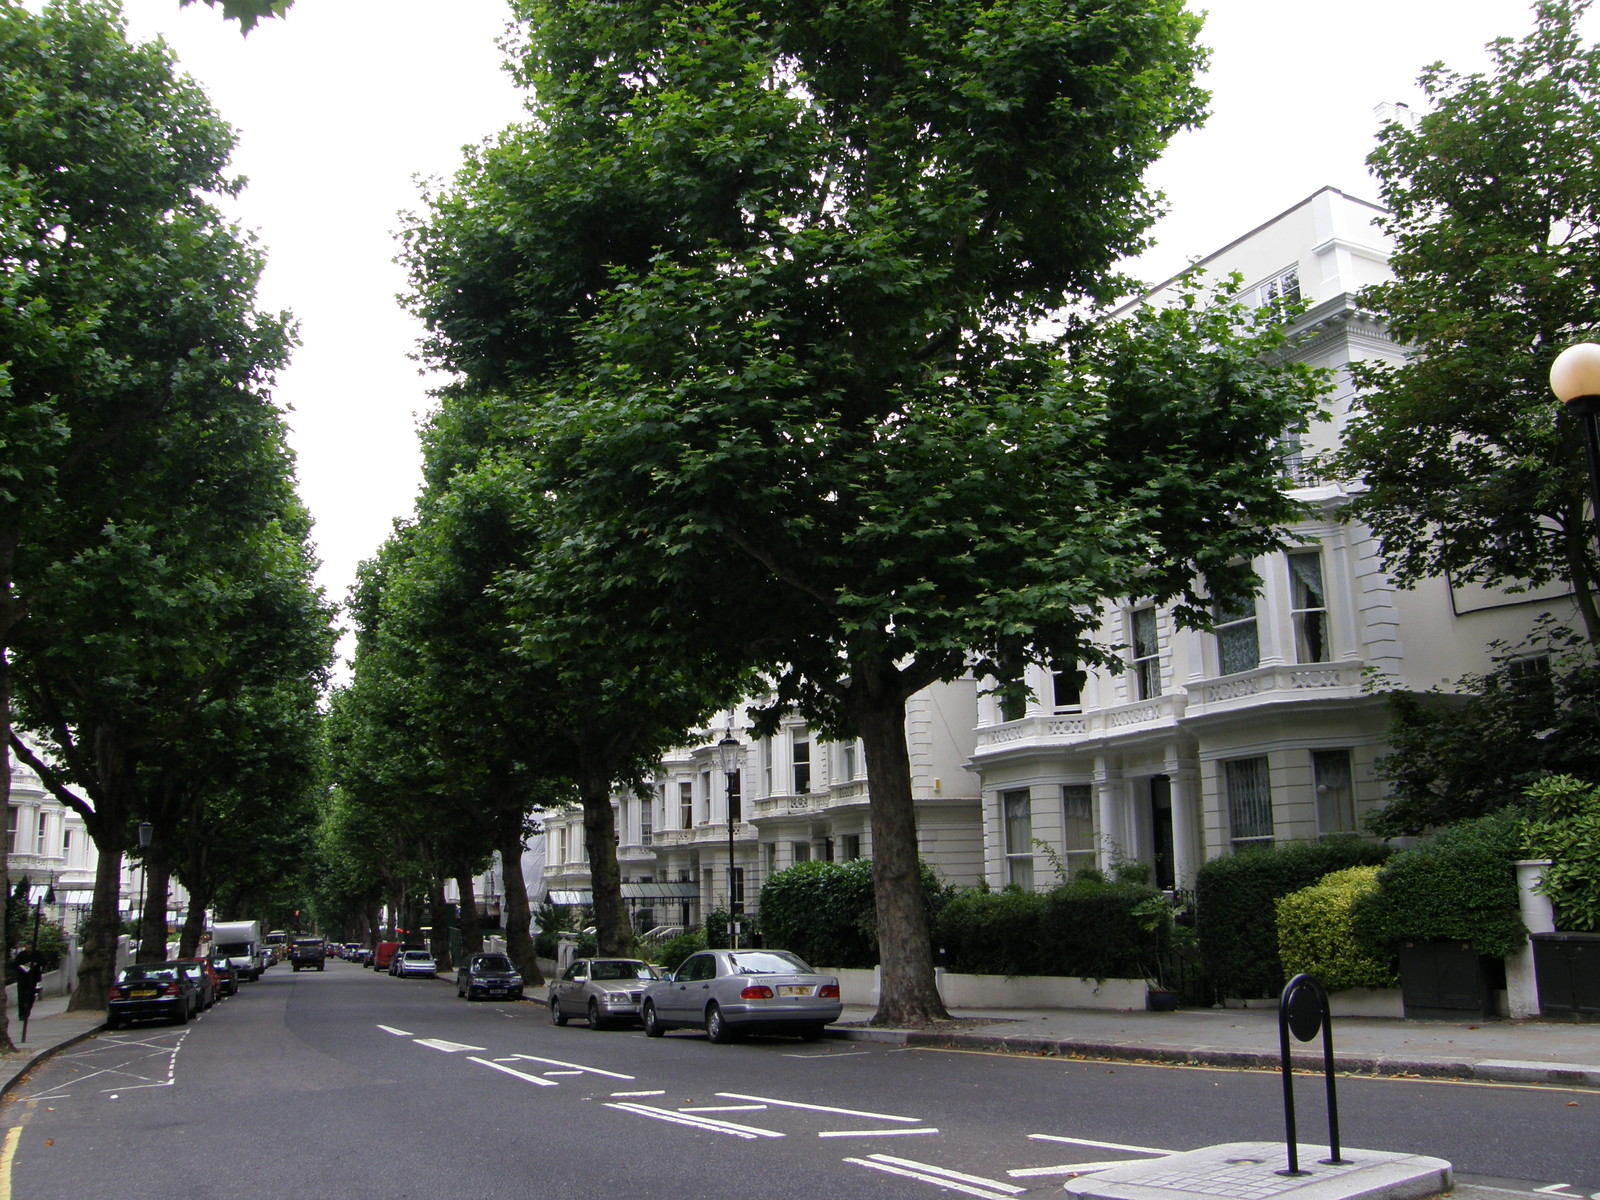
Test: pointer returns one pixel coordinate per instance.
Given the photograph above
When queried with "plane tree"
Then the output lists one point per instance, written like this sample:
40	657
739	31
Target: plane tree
765	278
1470	467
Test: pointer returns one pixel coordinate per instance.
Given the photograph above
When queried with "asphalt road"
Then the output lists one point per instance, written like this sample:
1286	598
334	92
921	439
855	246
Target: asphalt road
350	1084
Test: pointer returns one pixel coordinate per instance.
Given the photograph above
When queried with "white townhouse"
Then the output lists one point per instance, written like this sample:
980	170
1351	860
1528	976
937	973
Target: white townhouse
1266	729
701	831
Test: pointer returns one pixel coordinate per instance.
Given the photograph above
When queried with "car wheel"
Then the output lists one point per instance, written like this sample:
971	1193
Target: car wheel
595	1020
557	1017
812	1033
113	1022
652	1023
716	1027
183	1016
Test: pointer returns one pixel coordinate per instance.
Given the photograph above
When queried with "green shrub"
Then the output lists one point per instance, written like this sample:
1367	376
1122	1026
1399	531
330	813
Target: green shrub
1235	915
1089	928
1565	828
827	912
673	951
1316	933
1459	885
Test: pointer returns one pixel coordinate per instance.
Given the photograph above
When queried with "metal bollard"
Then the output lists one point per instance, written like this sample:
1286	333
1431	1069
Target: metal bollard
1303	1009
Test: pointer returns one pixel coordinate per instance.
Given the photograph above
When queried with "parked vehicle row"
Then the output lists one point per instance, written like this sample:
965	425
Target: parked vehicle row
724	992
170	991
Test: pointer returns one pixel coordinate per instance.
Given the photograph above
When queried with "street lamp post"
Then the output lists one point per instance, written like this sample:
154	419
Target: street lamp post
1575	379
728	751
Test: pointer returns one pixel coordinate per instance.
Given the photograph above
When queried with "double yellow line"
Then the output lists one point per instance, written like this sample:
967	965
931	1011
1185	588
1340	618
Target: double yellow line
8	1151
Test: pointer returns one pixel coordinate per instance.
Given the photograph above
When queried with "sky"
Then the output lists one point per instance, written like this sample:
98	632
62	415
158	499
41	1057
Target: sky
341	106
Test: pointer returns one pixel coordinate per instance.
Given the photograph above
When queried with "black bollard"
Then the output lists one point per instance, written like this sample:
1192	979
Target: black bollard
1303	1009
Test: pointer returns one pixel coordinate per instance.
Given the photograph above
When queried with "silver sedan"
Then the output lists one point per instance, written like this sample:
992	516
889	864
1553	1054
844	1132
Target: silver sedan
601	990
727	992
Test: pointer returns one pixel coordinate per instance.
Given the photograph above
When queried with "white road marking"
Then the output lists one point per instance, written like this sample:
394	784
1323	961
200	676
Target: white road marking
661	1114
512	1071
842	1112
556	1062
447	1047
723	1107
1051	1137
396	1032
983	1193
874	1133
1083	1168
624	1095
946	1173
563	1072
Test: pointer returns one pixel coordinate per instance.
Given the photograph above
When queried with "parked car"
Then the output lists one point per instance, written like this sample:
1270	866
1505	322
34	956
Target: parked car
728	992
415	962
601	990
204	978
148	991
488	975
227	976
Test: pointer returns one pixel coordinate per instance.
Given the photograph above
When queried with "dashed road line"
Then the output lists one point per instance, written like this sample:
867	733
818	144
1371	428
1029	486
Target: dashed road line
523	1075
822	1108
447	1047
875	1133
1072	1141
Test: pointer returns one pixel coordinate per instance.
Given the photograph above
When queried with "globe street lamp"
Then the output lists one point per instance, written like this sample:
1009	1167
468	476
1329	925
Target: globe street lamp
1575	379
728	751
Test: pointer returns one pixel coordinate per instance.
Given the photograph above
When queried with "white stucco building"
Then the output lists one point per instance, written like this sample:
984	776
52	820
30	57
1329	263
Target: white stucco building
1267	729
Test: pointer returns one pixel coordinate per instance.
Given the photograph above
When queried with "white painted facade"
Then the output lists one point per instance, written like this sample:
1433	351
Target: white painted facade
798	798
1267	731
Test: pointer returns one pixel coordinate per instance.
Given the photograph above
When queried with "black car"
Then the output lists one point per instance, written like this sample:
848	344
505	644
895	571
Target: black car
227	976
310	953
150	991
488	975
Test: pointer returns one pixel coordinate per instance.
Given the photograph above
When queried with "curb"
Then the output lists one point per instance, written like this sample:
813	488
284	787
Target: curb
38	1057
1488	1071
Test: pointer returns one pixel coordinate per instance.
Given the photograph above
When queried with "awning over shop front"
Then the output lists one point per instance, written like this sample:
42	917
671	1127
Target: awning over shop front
680	890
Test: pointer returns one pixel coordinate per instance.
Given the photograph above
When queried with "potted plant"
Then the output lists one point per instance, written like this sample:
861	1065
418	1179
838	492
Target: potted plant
1564	828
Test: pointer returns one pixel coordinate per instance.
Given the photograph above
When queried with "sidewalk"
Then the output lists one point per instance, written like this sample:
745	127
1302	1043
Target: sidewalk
1502	1051
50	1027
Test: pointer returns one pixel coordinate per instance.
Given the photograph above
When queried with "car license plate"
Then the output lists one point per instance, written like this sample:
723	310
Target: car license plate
497	991
791	989
142	993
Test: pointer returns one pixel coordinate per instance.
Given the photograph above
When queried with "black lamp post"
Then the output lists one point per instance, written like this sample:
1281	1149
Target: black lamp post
728	751
1575	379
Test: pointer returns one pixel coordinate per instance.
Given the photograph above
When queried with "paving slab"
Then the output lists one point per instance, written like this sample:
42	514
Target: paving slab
1257	1171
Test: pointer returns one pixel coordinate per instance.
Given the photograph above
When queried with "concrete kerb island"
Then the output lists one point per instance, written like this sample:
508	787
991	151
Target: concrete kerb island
1250	1171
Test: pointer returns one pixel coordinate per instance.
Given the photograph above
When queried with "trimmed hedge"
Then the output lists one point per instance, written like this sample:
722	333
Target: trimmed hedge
1235	914
1565	828
1459	885
827	912
1088	928
1316	933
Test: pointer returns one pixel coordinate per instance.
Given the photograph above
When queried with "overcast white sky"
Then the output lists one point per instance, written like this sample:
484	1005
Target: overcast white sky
339	106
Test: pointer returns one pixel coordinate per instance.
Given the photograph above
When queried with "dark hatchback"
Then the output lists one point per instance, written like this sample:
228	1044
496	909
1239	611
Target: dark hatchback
488	975
150	991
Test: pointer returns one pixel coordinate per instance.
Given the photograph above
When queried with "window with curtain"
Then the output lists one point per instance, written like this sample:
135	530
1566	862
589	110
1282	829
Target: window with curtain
647	805
1249	801
1336	797
1077	826
685	804
1238	646
802	767
1017	810
1308	606
1146	654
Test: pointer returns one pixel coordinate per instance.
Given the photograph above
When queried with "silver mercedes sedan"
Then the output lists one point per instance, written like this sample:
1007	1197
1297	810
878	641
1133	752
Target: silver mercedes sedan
603	991
728	992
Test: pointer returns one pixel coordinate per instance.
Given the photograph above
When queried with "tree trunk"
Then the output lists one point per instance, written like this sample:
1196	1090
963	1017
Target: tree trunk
100	934
518	916
908	995
153	919
10	614
194	926
471	931
612	929
439	921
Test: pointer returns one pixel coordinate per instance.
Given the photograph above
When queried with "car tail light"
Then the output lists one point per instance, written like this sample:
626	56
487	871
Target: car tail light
756	991
174	989
828	991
